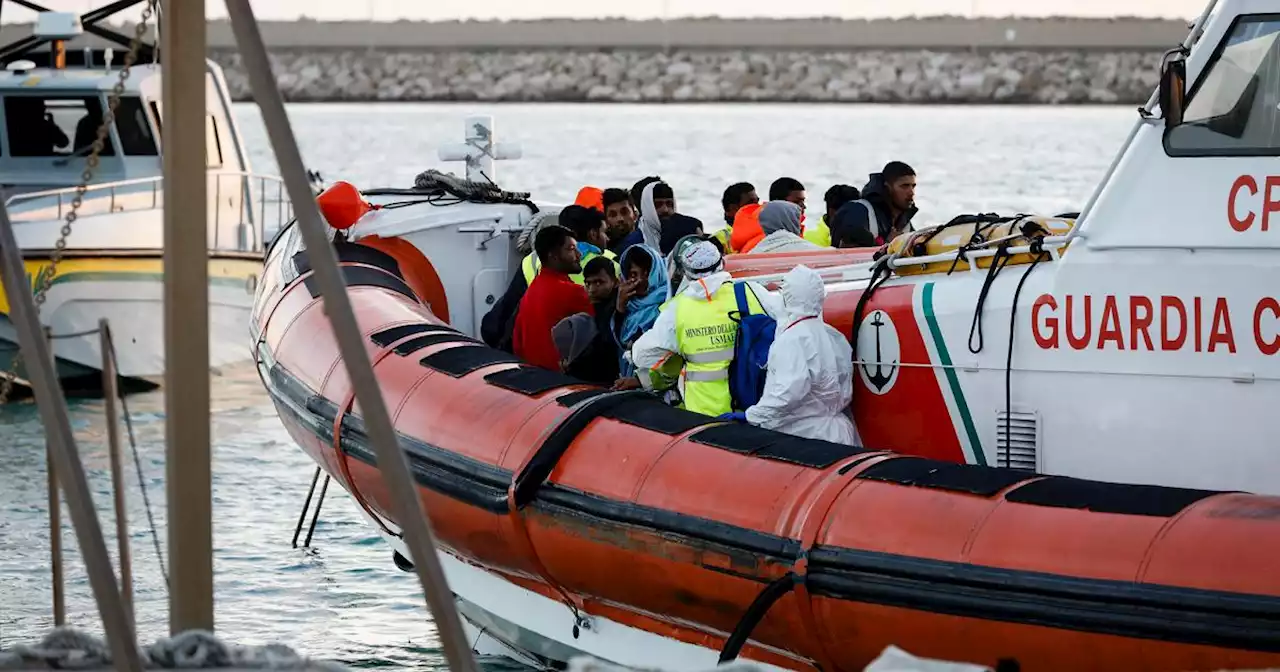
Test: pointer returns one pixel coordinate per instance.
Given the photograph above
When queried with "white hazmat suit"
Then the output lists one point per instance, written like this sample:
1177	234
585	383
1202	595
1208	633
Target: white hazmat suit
810	379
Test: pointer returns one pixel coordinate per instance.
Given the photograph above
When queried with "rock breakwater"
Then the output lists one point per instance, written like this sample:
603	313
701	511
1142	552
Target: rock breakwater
880	76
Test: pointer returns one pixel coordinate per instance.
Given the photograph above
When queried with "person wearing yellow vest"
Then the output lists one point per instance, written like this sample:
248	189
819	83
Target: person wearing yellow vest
820	232
697	329
587	225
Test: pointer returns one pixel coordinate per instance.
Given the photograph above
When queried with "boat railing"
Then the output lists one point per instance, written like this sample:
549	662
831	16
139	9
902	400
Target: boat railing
255	197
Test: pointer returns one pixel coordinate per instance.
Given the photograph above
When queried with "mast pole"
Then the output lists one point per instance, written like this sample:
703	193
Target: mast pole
415	526
186	318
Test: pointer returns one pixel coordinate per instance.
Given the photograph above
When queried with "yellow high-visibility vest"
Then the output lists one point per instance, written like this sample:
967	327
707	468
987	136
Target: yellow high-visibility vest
706	336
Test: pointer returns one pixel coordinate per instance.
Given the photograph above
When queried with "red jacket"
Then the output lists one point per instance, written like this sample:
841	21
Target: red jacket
551	297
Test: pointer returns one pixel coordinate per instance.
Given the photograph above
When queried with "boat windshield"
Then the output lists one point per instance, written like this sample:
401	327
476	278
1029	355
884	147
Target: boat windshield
64	125
1233	109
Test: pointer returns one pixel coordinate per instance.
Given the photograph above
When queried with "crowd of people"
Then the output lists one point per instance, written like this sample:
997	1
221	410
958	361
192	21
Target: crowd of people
625	291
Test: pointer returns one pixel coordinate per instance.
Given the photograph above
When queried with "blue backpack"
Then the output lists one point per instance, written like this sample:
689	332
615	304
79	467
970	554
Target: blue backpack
750	351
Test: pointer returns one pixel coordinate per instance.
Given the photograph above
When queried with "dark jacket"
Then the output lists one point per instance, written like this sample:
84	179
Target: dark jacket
497	325
852	224
599	362
633	238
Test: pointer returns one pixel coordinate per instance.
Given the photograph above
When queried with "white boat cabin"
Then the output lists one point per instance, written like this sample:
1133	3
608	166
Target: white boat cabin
52	104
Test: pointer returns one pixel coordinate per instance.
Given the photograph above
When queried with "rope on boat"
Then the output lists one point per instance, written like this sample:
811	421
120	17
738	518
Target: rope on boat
137	464
69	648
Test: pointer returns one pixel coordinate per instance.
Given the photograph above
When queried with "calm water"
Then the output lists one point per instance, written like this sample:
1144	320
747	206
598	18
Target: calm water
343	599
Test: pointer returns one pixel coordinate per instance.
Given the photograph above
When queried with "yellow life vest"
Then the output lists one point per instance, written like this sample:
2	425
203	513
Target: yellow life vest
706	335
819	233
723	236
531	265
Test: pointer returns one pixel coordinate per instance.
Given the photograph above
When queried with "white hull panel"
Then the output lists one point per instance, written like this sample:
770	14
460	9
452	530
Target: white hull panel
135	311
545	626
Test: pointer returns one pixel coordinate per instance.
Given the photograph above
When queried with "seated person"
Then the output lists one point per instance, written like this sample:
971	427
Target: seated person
619	218
551	297
645	287
809	384
598	362
780	224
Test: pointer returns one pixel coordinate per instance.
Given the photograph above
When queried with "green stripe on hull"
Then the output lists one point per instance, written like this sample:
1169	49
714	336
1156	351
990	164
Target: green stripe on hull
944	358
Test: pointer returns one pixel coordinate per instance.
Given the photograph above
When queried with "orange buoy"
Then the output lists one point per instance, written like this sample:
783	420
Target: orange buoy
342	205
590	197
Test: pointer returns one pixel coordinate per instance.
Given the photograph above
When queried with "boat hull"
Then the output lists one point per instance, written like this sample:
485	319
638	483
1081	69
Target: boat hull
623	511
128	292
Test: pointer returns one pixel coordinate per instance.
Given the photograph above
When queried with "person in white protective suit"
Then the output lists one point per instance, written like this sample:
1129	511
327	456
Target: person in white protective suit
809	384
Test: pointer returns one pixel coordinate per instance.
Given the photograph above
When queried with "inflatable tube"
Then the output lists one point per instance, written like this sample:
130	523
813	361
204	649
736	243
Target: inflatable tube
795	552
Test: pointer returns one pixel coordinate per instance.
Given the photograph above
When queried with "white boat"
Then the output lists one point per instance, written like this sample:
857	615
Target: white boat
51	105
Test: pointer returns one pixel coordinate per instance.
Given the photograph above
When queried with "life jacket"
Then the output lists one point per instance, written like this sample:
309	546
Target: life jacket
707	335
818	234
746	228
873	221
723	237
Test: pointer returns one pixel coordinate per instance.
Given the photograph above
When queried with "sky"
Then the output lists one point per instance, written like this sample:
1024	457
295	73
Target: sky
391	10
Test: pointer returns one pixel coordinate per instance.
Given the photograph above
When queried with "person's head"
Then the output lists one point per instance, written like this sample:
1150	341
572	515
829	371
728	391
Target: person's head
637	190
587	224
558	250
664	200
787	189
600	279
736	196
700	260
637	264
802	292
900	183
837	196
619	213
780	216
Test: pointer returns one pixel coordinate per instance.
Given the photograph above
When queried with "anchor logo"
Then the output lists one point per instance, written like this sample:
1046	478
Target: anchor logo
878	335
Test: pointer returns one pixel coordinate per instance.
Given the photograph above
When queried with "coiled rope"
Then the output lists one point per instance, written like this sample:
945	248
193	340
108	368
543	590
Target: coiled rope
69	648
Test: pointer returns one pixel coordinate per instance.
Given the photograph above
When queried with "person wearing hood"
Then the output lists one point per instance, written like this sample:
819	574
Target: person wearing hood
693	339
641	295
883	213
780	224
809	384
641	191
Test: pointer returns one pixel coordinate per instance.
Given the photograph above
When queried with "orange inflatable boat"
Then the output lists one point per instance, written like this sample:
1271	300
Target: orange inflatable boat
657	535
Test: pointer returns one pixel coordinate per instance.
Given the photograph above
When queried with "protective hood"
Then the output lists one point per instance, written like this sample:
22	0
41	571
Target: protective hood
802	292
642	310
650	224
780	216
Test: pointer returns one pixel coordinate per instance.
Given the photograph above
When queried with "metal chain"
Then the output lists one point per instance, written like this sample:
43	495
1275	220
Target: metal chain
45	280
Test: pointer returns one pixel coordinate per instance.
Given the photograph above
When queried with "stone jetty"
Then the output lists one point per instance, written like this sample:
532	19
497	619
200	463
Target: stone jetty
1056	76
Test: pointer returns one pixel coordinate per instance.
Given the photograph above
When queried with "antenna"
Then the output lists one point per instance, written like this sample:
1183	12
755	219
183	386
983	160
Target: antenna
479	150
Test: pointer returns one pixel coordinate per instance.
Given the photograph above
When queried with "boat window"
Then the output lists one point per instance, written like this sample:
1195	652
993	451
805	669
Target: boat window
135	131
53	125
1234	109
212	145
